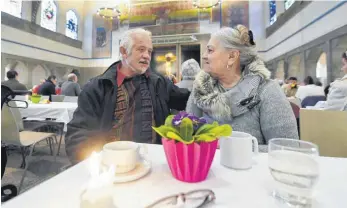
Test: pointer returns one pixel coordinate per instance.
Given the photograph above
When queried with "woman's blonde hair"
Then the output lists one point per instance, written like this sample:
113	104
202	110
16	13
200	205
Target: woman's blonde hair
241	38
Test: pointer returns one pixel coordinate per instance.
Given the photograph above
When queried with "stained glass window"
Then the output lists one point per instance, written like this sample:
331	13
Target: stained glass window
71	25
49	15
273	16
12	7
288	3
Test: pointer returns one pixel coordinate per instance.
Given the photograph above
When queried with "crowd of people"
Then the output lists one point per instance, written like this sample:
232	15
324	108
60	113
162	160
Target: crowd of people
312	93
47	87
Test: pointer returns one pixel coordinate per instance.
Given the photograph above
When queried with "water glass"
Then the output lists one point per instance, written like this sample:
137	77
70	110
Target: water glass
294	166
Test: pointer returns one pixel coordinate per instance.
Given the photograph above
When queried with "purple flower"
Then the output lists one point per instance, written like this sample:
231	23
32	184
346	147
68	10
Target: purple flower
176	121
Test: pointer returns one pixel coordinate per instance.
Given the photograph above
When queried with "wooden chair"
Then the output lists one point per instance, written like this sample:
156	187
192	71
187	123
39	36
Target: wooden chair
327	129
12	133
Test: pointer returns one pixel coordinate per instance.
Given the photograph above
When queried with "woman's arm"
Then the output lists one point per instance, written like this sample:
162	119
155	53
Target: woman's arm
277	119
192	107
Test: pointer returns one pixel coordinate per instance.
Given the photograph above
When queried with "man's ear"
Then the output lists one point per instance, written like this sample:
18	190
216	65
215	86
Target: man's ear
123	52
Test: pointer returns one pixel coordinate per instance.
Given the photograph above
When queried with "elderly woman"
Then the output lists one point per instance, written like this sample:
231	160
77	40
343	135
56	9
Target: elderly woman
235	88
190	69
337	96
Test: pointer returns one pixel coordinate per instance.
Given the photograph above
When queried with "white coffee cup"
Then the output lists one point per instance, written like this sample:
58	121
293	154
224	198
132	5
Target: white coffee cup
236	150
123	155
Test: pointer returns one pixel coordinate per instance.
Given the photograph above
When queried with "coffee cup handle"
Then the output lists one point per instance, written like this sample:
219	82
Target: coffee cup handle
143	152
255	145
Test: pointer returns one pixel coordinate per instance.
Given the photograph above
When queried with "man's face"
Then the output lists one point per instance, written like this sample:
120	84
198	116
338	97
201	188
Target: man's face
292	81
141	51
54	81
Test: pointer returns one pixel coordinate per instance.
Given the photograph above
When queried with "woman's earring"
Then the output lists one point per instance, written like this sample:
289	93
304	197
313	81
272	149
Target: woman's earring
228	67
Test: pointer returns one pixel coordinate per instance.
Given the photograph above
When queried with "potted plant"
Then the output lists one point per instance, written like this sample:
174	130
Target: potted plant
190	144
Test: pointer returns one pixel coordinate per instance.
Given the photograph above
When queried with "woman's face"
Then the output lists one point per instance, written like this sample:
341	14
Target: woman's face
215	58
344	65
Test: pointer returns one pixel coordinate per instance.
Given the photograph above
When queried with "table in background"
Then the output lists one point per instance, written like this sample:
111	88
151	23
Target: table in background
60	111
246	189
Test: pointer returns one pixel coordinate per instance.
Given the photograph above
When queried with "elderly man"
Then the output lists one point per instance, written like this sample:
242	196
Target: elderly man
71	87
124	102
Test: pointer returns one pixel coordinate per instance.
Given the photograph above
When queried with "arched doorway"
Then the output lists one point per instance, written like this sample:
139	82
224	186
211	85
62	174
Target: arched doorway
294	69
321	69
38	74
312	57
22	71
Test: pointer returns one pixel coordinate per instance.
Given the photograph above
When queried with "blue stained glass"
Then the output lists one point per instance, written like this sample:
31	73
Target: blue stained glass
273	17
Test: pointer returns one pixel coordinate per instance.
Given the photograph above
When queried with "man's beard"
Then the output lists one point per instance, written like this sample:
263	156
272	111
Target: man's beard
135	70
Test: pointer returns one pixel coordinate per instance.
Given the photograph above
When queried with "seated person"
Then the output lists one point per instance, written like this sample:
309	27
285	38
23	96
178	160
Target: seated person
235	88
124	102
48	87
337	96
71	87
190	69
309	89
13	82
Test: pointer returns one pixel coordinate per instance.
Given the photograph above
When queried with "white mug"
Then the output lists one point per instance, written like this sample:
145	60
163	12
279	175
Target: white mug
123	155
236	150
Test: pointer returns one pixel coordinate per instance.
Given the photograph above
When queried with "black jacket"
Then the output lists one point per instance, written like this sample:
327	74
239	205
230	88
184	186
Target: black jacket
47	88
14	84
92	121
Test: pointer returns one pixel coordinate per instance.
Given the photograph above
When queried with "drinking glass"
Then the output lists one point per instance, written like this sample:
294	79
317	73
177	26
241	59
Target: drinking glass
294	166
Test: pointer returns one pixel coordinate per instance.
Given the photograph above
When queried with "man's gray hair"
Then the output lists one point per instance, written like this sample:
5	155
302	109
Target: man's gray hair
71	77
239	38
127	40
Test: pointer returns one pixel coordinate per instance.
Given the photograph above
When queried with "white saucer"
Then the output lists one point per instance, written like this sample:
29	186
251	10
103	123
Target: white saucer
141	169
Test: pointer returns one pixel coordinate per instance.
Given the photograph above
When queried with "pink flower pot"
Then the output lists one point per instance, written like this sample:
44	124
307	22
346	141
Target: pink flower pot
189	162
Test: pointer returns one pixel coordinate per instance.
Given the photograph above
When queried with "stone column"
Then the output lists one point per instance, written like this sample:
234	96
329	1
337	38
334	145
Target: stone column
328	50
286	67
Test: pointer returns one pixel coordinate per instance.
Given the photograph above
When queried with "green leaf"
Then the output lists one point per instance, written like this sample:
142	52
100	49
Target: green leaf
206	128
173	135
186	129
163	130
168	120
223	130
207	137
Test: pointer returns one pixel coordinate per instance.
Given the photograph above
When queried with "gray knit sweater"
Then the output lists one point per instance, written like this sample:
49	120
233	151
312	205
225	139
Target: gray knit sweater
268	115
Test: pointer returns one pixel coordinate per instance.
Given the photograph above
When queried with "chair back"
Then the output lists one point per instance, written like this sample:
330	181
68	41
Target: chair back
9	127
58	98
327	129
71	99
296	109
312	100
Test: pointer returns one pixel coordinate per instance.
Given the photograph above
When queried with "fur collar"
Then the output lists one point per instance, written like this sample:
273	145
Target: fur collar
222	105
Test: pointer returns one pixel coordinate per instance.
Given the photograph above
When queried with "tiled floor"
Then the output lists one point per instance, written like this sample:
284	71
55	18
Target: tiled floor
40	169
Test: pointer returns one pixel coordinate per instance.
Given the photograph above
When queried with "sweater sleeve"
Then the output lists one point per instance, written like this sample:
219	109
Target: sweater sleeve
277	119
77	89
192	107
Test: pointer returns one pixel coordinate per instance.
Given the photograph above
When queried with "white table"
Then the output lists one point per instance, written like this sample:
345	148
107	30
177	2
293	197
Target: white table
61	111
240	189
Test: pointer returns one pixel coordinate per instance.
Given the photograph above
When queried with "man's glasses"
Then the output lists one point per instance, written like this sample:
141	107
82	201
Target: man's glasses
192	199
